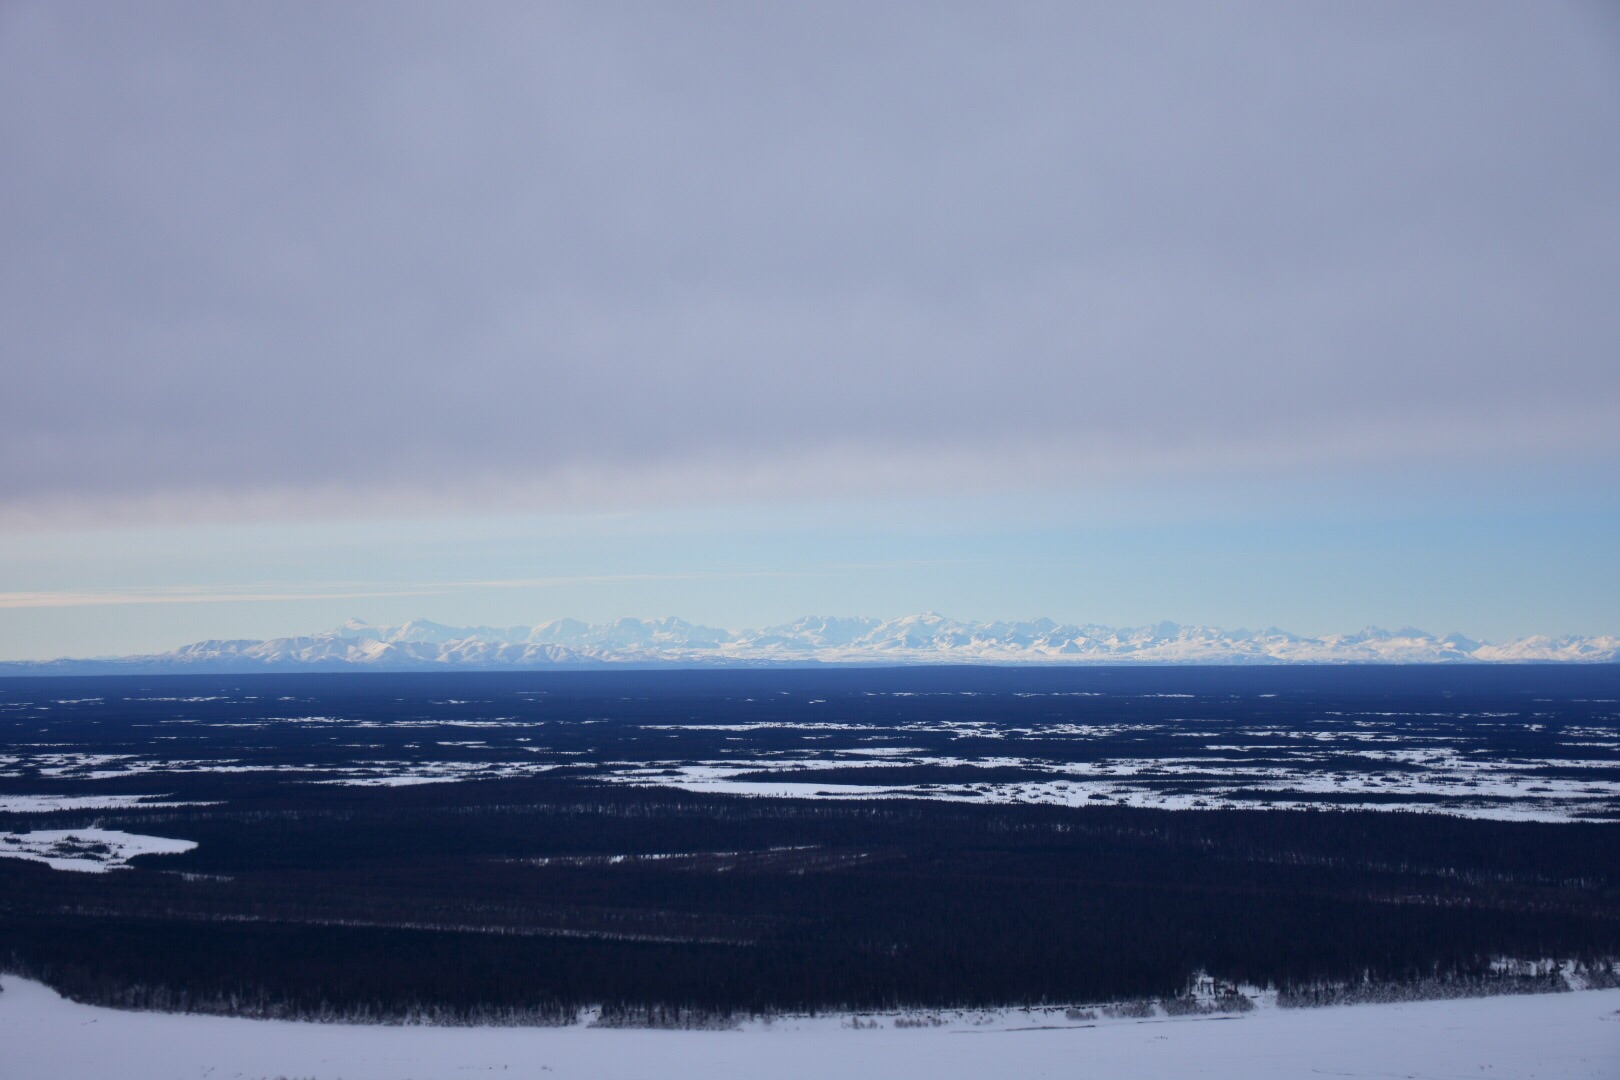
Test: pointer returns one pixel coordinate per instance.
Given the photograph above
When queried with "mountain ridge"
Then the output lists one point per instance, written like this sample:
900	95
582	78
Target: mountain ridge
562	644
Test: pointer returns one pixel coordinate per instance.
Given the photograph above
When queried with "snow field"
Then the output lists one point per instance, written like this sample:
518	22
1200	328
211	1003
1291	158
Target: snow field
92	850
1571	1036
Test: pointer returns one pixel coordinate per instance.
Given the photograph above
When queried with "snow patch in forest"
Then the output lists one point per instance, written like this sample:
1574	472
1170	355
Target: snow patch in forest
92	850
45	804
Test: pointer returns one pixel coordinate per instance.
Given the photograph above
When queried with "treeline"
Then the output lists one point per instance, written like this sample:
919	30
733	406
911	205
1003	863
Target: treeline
1468	984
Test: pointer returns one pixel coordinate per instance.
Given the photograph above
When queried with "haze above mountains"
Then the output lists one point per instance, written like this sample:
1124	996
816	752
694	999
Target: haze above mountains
420	645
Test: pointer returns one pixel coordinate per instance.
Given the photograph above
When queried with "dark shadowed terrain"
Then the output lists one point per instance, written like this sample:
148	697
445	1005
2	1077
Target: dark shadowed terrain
519	846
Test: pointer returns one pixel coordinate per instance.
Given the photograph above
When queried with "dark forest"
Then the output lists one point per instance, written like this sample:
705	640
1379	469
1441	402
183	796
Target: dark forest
523	898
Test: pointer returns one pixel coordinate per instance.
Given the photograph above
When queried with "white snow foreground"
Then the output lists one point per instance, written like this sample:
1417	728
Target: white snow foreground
420	644
92	850
1569	1036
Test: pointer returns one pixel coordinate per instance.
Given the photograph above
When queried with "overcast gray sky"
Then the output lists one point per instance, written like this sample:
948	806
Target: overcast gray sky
316	257
1229	313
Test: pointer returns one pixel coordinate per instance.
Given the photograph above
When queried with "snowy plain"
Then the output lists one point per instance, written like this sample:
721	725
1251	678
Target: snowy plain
1543	752
1570	1036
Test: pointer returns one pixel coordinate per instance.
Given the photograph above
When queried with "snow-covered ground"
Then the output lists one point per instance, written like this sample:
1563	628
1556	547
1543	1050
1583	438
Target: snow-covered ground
93	850
1565	1036
45	804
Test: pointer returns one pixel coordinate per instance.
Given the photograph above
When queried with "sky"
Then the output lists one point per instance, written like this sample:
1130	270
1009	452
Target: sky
1237	315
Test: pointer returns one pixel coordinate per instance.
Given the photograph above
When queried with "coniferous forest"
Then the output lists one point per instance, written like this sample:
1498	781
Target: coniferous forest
523	897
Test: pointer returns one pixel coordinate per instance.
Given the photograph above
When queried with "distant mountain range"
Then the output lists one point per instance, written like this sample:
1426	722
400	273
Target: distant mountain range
419	645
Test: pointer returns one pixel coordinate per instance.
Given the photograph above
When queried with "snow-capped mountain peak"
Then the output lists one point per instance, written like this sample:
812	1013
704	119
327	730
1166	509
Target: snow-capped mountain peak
419	644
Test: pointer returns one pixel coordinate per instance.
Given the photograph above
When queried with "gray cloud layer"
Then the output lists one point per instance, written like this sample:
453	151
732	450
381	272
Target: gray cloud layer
332	253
